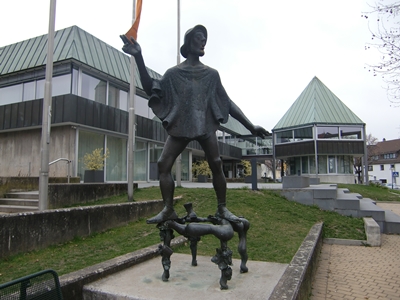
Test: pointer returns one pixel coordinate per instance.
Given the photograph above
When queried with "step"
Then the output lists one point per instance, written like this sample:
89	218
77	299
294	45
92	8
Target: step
19	202
369	209
17	208
392	222
23	195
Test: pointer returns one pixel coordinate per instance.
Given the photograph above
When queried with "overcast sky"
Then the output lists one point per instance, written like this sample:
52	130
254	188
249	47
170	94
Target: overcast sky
265	51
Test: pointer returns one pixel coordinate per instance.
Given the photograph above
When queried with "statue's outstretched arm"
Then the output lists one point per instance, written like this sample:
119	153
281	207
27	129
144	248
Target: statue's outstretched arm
133	48
237	113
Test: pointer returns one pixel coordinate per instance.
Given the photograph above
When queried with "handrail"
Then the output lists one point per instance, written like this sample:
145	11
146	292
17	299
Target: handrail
62	159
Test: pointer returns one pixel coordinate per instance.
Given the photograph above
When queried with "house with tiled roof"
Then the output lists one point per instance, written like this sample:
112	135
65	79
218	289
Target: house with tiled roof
384	159
319	136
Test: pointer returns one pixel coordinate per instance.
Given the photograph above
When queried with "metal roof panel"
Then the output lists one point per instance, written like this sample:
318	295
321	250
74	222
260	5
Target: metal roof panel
317	105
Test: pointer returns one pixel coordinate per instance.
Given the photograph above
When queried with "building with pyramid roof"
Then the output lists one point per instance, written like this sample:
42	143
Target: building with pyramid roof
319	136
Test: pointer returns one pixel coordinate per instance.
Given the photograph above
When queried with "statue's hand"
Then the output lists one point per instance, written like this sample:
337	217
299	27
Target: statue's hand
260	131
130	46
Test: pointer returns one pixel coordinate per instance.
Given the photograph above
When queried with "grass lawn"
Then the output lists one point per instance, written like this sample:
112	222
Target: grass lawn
277	228
374	192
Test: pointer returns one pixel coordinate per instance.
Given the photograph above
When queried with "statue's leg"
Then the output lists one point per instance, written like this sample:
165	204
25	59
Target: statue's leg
210	147
223	259
242	228
193	249
166	235
173	147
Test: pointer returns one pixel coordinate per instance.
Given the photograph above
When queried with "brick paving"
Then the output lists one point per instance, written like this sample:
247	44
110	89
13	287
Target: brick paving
355	272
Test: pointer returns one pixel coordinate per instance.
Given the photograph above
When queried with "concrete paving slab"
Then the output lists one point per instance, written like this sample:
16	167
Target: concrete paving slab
143	281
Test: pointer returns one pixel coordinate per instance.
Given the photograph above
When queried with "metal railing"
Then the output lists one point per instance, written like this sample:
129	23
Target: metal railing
62	159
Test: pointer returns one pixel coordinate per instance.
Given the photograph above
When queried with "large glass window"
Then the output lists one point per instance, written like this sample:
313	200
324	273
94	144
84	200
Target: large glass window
140	165
29	91
284	137
328	132
350	133
88	141
345	164
332	164
117	159
301	134
11	94
322	164
94	89
312	164
61	85
304	164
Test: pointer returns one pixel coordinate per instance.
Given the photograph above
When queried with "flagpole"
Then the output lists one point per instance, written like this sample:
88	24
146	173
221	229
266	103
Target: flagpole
46	117
132	122
178	60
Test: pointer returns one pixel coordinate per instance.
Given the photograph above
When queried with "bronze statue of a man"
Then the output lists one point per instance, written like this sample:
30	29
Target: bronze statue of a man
191	103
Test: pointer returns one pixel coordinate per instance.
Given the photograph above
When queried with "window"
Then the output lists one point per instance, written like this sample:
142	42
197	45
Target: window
117	160
322	164
328	132
61	85
370	168
94	89
284	137
304	164
11	94
350	133
29	91
382	167
303	134
312	164
389	156
332	164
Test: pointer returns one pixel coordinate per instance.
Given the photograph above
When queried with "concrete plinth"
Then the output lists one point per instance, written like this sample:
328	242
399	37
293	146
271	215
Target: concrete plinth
143	281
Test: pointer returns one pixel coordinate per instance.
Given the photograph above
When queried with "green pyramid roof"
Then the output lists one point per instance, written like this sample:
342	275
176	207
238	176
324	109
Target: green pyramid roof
69	43
317	105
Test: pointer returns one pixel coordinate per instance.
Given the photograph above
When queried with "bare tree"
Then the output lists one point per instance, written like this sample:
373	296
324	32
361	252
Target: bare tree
386	39
371	141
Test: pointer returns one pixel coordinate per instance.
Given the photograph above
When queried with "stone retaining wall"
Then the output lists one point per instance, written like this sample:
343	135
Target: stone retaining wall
295	283
24	232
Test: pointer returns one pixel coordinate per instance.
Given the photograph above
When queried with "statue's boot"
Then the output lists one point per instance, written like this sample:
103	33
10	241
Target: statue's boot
168	213
224	213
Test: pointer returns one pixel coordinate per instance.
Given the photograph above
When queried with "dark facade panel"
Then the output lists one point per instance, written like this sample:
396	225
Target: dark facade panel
294	149
14	115
74	109
27	114
341	147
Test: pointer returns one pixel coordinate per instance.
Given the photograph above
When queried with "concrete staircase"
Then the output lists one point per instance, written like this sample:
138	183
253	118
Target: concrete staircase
18	201
329	197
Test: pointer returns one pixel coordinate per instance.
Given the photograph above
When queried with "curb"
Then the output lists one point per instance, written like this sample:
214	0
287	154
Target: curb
295	282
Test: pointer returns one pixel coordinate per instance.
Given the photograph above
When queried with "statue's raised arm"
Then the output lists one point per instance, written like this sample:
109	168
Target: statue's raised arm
133	48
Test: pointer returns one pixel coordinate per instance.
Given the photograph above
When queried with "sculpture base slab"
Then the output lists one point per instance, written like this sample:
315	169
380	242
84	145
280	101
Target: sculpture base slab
143	281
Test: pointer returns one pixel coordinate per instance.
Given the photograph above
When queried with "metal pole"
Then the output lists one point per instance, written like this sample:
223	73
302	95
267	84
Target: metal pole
366	176
132	123
178	60
46	118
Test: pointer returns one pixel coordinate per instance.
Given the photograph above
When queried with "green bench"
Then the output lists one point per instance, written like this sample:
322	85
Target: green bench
43	285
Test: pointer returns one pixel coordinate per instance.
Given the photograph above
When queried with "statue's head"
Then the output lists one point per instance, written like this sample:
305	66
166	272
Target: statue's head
195	37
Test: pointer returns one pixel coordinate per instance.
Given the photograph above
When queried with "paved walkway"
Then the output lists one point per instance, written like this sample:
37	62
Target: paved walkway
352	272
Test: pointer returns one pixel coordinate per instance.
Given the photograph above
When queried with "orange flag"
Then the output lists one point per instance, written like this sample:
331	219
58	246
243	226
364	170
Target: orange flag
134	29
